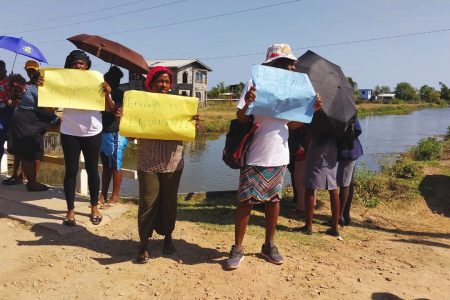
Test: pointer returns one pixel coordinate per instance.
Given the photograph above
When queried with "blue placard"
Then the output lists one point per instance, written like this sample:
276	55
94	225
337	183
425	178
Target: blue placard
282	94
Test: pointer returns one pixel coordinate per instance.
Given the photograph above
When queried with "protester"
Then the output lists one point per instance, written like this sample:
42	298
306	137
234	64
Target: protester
261	180
346	167
113	144
298	148
28	125
81	133
159	165
320	173
6	109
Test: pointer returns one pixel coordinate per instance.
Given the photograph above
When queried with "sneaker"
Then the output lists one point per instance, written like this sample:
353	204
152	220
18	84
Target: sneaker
270	252
234	261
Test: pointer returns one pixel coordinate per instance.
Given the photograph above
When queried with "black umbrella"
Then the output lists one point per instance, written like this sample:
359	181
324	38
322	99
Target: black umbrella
327	78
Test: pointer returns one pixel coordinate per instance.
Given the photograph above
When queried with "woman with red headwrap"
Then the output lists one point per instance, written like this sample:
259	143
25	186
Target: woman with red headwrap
159	165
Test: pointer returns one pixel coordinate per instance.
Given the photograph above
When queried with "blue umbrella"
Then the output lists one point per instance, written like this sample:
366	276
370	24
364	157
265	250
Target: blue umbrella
20	46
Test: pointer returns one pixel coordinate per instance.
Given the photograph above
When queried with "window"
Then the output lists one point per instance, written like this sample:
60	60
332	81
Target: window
200	77
185	77
198	95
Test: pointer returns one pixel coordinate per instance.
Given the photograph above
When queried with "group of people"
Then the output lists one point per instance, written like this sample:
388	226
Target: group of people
315	159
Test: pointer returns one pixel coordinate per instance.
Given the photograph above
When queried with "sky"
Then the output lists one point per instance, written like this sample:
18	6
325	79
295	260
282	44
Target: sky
380	42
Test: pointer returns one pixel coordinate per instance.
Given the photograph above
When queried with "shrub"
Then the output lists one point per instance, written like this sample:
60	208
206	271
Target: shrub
367	187
402	169
428	149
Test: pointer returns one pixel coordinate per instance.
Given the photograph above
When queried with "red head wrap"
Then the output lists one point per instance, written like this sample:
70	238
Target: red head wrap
156	71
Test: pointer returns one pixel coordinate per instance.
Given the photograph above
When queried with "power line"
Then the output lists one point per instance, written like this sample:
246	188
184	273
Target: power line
101	18
339	43
77	15
192	20
204	18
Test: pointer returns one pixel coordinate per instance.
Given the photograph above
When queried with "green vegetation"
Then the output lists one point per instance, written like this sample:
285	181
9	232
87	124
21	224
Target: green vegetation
216	117
402	168
428	149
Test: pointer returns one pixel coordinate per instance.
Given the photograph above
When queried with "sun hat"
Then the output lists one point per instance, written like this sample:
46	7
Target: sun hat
277	51
32	64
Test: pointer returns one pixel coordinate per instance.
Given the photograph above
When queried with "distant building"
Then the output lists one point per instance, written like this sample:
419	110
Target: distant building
365	94
385	96
190	77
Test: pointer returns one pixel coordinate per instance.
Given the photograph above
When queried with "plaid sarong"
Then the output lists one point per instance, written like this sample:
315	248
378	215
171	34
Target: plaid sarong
261	184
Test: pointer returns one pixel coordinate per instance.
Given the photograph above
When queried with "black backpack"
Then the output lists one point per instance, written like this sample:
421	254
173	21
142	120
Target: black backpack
237	142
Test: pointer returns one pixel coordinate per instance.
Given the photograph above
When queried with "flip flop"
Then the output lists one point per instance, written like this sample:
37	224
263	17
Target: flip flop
304	230
69	222
95	220
333	232
142	257
108	205
40	188
11	181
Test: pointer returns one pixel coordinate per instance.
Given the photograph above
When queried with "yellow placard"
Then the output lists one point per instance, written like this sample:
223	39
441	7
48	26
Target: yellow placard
158	116
71	88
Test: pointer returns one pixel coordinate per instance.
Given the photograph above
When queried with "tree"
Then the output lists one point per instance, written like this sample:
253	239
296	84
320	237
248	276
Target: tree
405	91
355	88
384	89
445	92
429	94
218	90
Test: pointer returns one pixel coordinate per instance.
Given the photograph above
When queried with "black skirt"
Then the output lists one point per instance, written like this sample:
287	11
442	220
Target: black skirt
26	131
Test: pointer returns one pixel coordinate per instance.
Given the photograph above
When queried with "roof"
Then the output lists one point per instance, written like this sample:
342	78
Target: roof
176	63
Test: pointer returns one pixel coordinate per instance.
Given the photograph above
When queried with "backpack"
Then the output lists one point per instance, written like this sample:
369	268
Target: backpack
237	142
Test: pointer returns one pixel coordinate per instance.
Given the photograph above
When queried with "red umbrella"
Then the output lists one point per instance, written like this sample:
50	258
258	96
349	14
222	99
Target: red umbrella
112	52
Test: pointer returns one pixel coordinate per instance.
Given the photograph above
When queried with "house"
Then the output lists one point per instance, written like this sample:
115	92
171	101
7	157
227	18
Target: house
365	94
385	96
190	77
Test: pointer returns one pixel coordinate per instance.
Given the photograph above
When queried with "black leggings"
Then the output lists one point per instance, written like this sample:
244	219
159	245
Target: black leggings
72	146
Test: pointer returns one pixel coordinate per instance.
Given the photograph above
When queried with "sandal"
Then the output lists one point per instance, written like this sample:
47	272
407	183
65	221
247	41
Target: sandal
143	256
295	214
11	181
333	232
69	222
95	220
38	188
304	230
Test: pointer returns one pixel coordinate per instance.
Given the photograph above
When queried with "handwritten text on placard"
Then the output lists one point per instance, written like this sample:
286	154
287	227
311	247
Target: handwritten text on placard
282	94
158	116
70	88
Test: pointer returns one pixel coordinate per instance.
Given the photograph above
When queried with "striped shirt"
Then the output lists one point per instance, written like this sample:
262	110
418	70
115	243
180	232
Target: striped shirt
159	156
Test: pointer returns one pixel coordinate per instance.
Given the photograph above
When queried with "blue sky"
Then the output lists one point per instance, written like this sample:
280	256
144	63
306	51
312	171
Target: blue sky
243	37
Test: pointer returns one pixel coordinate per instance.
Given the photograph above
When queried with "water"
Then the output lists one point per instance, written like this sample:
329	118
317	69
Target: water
382	136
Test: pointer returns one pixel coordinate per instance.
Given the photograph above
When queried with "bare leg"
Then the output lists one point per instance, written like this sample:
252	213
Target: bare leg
28	167
106	179
272	211
334	201
348	204
241	221
343	196
310	200
117	181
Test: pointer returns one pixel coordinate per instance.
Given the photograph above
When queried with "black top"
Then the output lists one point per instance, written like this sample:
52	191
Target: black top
110	123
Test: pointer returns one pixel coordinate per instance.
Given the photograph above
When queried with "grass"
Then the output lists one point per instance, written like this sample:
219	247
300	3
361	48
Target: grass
366	109
216	117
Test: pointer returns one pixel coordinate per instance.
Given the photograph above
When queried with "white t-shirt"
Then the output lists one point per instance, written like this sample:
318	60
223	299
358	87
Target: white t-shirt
78	122
269	146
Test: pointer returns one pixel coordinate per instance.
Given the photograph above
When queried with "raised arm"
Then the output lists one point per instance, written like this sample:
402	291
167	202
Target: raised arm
250	97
